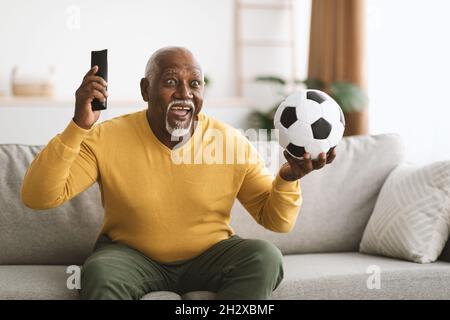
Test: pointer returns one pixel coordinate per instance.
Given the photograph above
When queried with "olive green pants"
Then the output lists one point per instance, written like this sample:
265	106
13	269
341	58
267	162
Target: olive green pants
234	268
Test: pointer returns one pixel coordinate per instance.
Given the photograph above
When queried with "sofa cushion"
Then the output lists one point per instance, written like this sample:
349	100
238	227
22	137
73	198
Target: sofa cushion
337	200
411	219
306	276
63	235
345	276
35	283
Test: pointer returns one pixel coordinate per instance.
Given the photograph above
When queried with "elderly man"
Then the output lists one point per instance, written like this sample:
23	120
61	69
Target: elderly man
166	224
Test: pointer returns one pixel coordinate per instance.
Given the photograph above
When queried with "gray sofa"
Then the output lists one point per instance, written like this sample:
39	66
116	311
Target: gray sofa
321	259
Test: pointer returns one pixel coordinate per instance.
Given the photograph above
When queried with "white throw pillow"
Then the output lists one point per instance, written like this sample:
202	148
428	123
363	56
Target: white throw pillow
411	218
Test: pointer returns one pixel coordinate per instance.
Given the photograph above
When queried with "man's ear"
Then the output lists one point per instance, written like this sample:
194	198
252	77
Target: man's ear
144	89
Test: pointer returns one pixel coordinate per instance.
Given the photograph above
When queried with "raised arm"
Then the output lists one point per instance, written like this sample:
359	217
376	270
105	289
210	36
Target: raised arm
274	202
68	164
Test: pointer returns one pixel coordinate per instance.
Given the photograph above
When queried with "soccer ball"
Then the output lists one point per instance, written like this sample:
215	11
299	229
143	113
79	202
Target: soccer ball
309	121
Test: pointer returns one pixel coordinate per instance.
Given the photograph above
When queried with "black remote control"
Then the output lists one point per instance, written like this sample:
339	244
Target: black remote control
100	58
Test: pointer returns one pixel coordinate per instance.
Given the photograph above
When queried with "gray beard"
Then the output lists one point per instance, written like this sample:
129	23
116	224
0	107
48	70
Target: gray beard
178	131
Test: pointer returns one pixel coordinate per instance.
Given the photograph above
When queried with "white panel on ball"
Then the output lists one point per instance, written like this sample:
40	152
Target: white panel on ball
309	112
283	136
316	147
337	131
330	111
300	133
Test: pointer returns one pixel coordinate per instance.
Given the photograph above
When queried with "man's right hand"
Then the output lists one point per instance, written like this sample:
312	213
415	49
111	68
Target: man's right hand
92	87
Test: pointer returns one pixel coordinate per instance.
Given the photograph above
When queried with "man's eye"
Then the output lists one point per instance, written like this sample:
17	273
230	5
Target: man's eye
171	82
195	83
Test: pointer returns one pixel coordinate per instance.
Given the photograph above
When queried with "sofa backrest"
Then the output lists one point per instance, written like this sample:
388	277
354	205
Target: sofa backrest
337	203
337	200
64	235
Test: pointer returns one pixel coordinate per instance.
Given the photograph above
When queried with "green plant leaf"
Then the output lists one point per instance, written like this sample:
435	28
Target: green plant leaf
349	96
207	80
263	120
272	79
259	120
314	84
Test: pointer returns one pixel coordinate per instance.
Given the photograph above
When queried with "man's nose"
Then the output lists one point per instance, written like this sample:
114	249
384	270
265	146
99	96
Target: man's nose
184	91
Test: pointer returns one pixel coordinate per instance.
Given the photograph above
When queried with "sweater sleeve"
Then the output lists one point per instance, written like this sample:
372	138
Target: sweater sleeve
65	167
273	202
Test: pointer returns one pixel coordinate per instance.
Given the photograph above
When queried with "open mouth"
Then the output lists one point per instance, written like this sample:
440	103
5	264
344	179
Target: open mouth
181	112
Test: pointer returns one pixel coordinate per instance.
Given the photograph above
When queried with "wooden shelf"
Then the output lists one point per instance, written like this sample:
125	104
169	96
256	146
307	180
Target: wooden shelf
36	121
267	43
255	6
7	102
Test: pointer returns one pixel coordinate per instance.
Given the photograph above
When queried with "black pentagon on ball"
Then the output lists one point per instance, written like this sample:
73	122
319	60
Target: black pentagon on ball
315	96
321	129
288	117
295	150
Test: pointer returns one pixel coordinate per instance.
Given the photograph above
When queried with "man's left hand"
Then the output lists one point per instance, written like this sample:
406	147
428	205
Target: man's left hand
295	169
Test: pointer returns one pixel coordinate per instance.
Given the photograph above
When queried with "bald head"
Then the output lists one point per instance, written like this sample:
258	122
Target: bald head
163	57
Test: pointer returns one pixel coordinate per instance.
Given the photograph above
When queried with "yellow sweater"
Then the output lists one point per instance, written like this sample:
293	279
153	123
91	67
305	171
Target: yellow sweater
154	201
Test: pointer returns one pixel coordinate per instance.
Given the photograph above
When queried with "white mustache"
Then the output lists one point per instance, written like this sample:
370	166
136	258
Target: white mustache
182	102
